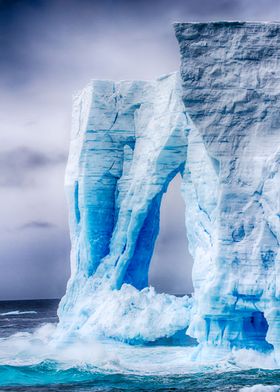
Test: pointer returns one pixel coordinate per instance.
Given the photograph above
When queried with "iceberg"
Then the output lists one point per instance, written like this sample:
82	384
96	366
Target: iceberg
231	84
218	126
129	140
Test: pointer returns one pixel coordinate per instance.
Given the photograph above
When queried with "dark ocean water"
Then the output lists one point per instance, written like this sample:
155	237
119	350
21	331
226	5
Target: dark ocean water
26	316
48	375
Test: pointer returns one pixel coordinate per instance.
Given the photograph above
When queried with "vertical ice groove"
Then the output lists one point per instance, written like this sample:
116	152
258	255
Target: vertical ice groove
129	140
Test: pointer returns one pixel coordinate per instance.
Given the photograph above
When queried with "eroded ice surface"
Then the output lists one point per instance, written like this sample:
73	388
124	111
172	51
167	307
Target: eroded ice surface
231	90
129	140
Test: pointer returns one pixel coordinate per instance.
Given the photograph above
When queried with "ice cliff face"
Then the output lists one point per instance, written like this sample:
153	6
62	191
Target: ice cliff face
231	85
129	140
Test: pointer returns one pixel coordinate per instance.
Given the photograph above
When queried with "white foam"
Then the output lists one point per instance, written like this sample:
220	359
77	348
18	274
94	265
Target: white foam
261	388
17	312
131	315
24	349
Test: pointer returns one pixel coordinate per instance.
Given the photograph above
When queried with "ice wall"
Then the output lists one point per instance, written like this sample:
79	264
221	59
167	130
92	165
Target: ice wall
231	90
129	139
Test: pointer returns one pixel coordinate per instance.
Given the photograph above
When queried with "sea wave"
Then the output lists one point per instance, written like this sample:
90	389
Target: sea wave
261	388
89	378
41	358
17	313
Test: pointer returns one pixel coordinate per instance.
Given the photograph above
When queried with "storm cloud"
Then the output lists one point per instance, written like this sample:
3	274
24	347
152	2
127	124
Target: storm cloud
36	225
49	50
18	166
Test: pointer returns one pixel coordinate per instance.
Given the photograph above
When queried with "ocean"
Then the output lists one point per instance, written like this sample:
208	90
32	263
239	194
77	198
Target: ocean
19	321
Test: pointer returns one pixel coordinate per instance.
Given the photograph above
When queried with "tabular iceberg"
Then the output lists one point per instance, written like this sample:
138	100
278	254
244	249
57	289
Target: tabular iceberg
219	128
231	90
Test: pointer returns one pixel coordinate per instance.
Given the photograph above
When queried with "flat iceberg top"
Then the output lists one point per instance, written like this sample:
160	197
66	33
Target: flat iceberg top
226	23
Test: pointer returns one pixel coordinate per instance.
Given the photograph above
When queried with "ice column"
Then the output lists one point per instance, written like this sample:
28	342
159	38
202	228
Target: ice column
231	90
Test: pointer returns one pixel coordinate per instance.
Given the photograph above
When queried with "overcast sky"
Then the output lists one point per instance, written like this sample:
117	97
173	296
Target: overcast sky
50	49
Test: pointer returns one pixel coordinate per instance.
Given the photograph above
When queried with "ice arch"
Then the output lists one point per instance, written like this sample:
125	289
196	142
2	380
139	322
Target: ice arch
171	265
129	141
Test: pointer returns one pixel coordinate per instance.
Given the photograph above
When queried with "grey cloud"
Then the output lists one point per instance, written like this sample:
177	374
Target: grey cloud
28	159
51	49
206	8
37	225
34	266
30	123
16	165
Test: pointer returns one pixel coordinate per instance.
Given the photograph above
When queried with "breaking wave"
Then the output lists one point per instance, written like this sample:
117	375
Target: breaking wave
33	359
17	313
261	388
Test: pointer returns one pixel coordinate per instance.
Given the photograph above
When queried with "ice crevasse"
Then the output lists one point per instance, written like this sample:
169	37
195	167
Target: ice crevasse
218	125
